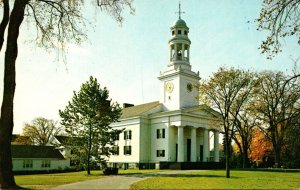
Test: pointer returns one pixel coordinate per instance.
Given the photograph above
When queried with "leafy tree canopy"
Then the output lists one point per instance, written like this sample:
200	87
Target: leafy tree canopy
88	116
227	91
41	130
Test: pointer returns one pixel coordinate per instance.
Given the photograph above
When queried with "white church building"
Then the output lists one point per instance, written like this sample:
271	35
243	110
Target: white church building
175	129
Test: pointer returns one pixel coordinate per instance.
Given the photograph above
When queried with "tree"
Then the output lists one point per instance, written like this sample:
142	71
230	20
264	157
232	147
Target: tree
281	19
277	106
244	127
291	150
226	91
88	117
57	23
41	130
23	140
260	148
246	121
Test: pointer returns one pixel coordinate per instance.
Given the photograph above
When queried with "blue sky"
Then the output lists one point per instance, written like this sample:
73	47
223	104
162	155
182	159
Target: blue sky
128	59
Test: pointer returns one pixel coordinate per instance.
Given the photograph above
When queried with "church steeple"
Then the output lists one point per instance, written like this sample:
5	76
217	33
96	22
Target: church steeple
179	44
179	82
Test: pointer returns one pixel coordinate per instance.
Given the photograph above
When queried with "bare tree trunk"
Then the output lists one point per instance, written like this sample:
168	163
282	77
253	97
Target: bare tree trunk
245	159
6	121
227	152
89	151
4	21
277	150
240	149
245	154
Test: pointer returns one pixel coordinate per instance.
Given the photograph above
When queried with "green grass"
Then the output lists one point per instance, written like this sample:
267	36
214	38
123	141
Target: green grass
46	181
217	180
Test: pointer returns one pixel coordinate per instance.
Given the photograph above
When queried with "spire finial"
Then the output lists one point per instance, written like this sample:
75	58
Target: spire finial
180	12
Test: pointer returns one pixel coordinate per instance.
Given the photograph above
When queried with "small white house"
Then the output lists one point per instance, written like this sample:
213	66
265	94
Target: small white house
176	128
37	158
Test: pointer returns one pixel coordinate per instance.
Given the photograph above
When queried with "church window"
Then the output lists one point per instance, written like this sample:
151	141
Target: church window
27	163
179	31
115	137
173	33
160	133
127	135
115	150
46	163
185	32
127	150
160	153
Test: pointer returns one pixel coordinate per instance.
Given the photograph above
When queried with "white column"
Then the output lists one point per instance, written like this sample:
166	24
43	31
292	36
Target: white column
175	57
193	145
205	145
182	51
216	146
180	151
171	56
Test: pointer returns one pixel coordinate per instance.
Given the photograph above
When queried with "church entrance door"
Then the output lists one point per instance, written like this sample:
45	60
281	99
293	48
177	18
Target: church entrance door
188	148
201	153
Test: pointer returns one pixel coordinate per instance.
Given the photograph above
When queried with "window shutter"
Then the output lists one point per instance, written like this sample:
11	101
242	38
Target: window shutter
163	133
124	150
125	134
157	133
157	153
130	134
163	153
117	150
130	150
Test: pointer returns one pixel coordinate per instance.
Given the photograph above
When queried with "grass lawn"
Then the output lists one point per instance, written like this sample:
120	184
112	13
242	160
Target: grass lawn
46	181
217	180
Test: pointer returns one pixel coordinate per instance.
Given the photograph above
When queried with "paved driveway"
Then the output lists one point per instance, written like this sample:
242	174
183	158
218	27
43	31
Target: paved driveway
116	182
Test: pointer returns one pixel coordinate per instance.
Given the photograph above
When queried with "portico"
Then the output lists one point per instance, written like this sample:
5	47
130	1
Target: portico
187	149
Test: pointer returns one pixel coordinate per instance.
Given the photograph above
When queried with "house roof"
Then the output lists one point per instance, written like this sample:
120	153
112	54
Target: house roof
138	109
30	151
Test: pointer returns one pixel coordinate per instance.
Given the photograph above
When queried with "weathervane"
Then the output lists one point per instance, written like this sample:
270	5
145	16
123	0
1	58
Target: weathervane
180	12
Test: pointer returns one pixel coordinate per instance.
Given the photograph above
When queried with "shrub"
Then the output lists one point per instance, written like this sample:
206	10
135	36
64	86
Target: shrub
110	171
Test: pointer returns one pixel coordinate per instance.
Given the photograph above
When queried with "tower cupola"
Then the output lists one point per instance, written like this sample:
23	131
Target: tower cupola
179	82
179	44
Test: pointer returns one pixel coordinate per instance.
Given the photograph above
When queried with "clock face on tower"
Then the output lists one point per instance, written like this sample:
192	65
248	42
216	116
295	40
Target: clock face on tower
189	87
169	87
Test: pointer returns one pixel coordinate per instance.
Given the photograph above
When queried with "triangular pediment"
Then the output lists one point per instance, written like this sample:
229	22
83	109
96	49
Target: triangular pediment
202	110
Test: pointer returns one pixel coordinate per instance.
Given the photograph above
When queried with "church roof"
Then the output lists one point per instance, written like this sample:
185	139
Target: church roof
138	109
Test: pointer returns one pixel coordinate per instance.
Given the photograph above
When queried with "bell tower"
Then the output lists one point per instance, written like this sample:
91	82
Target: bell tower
179	44
179	82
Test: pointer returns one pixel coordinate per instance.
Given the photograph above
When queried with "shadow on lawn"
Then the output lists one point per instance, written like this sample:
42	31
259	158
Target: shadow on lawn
149	175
